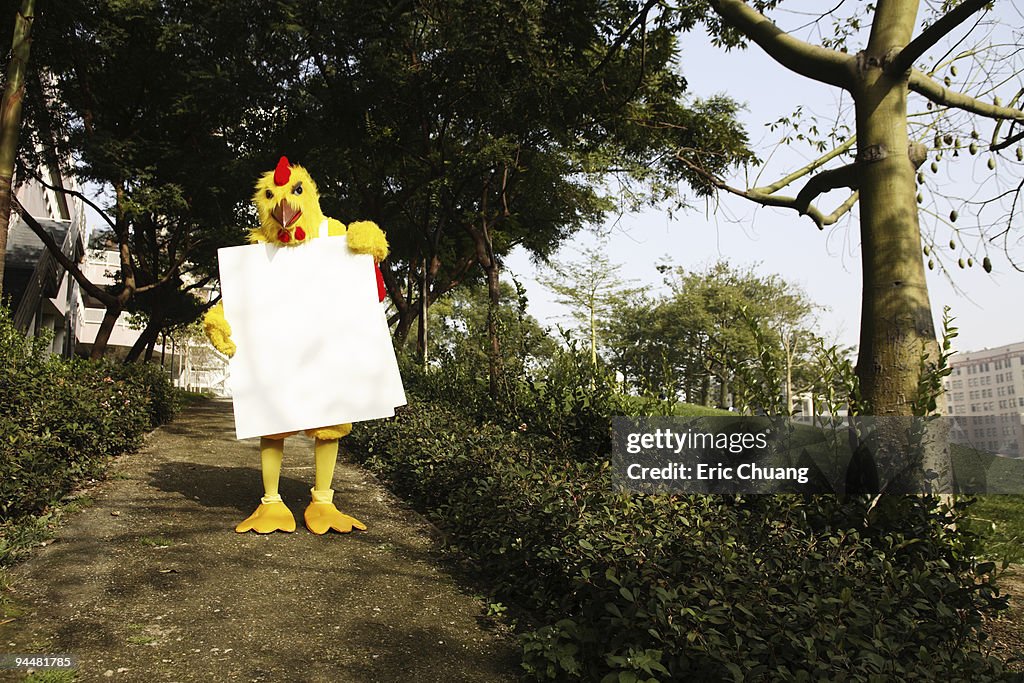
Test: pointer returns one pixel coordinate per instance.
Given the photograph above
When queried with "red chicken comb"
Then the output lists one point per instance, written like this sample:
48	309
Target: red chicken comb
283	172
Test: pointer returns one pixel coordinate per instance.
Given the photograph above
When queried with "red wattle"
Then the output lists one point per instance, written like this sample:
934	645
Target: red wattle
300	234
283	172
382	291
283	236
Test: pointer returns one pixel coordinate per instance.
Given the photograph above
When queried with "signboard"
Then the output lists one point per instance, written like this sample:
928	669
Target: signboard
314	349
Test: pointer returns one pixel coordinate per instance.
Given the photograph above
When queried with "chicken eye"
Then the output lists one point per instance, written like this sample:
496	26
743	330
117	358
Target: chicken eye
297	189
269	194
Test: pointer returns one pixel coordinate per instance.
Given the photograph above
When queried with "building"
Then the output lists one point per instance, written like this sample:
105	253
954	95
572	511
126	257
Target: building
41	297
45	299
985	396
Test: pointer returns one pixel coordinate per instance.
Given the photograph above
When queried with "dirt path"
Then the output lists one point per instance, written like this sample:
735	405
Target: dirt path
1007	631
150	583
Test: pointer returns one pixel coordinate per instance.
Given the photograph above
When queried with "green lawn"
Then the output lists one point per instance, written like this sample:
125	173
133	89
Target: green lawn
649	406
999	519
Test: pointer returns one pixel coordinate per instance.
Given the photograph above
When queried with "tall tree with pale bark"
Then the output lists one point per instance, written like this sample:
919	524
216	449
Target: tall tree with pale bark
898	348
897	320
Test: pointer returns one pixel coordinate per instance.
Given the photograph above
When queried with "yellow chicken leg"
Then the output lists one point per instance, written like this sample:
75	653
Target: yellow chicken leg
272	514
321	514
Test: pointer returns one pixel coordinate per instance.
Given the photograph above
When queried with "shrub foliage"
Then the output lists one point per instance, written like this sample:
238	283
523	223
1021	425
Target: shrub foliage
60	420
627	588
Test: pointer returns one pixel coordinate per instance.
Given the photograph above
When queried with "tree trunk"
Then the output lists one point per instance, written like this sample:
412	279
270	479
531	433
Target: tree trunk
494	365
421	325
99	346
896	317
146	340
405	320
10	118
485	257
593	337
406	313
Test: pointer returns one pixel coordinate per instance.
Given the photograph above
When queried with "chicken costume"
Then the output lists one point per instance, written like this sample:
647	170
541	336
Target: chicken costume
290	216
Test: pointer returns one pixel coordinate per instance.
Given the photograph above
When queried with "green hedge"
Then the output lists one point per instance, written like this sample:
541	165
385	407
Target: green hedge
657	588
60	420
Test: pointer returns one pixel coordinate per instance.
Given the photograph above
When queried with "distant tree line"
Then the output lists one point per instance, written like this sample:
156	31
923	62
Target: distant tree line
721	336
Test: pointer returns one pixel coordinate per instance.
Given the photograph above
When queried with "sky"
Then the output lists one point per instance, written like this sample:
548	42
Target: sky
826	264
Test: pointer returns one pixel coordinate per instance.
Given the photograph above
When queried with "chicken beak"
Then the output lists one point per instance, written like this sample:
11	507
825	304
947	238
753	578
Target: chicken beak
285	214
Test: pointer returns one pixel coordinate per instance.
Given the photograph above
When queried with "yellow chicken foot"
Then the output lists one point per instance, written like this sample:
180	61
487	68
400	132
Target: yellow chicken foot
272	514
321	515
269	517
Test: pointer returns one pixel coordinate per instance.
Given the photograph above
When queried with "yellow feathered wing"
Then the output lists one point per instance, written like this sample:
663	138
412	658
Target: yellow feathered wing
218	331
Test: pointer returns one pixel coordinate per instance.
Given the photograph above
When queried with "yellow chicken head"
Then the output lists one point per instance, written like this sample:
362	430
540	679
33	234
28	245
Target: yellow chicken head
288	205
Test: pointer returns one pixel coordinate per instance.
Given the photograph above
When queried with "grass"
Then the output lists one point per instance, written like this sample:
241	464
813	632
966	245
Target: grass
141	640
8	609
16	537
641	405
19	535
999	520
52	676
156	541
187	398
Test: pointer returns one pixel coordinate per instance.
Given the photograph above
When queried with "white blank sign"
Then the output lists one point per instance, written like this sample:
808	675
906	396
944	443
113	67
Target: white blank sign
314	348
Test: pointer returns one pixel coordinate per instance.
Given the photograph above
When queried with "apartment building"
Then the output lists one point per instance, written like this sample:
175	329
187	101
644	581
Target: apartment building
985	396
41	296
44	298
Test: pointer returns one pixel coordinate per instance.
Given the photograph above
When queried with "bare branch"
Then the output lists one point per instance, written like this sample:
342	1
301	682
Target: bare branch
1007	142
62	258
1011	138
75	193
814	165
770	199
198	284
923	85
842	209
165	279
811	61
904	61
832	179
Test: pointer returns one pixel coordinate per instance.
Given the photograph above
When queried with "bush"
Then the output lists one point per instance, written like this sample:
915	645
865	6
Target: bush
60	420
656	588
570	401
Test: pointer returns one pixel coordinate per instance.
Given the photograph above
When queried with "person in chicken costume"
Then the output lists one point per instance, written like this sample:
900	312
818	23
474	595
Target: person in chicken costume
290	216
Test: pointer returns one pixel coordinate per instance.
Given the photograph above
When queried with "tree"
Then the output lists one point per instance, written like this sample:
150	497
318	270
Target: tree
10	117
898	349
700	340
163	106
897	318
590	287
459	332
466	134
162	311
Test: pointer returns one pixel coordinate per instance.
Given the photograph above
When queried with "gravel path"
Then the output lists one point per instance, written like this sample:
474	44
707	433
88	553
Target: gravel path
150	582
